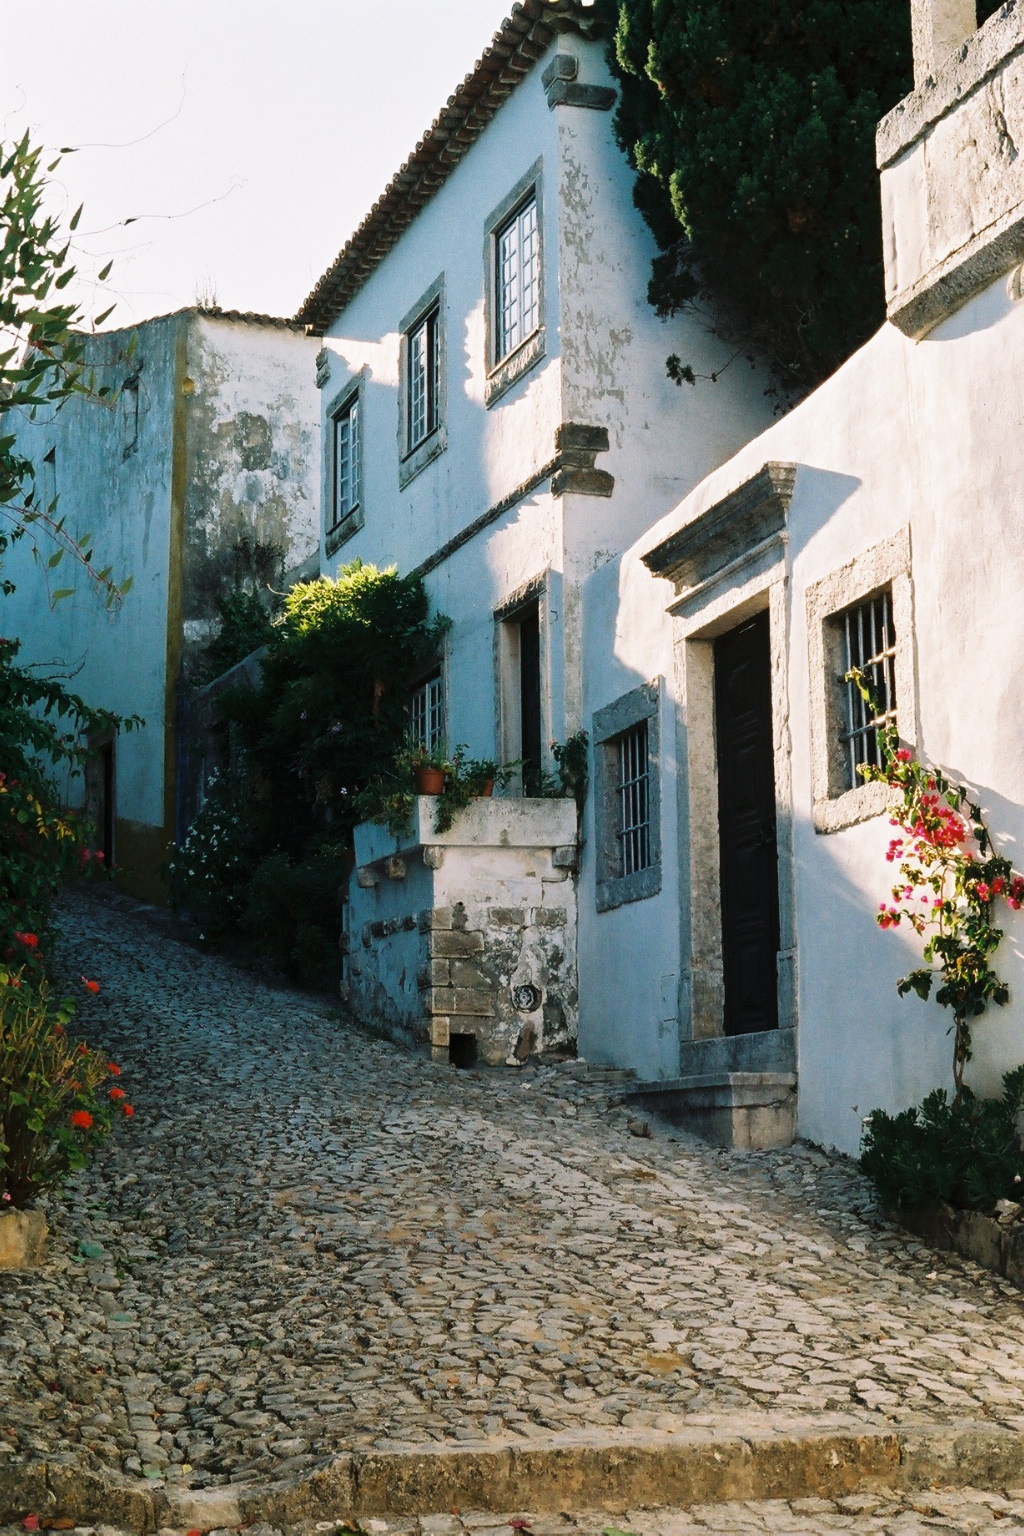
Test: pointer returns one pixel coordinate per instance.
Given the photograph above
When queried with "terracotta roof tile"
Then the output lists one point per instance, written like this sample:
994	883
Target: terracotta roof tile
517	45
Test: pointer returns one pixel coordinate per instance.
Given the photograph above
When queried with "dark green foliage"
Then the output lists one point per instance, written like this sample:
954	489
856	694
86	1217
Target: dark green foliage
292	912
265	858
752	128
968	1154
333	703
245	625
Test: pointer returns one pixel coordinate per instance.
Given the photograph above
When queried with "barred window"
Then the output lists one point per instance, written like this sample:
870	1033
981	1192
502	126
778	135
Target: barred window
634	801
346	489
517	279
426	723
869	644
423	380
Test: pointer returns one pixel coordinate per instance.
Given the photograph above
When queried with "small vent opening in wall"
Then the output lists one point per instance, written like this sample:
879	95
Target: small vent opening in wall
462	1050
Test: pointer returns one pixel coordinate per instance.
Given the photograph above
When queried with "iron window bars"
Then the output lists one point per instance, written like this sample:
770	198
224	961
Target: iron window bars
870	646
634	791
423	380
346	462
426	713
517	279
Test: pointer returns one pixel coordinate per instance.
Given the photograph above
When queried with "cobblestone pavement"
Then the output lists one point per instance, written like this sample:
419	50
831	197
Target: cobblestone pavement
308	1241
884	1513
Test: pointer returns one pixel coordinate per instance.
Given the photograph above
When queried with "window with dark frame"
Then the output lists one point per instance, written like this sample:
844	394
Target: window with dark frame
426	713
517	279
422	414
634	797
346	489
868	644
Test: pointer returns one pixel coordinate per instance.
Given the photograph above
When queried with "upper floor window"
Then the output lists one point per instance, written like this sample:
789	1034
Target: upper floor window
517	279
869	645
423	380
346	461
426	713
422	434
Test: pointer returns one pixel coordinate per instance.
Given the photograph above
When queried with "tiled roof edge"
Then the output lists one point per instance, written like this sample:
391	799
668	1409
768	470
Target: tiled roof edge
517	45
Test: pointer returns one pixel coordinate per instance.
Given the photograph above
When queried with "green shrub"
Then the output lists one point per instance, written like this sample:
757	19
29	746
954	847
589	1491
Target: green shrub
207	874
752	129
968	1154
245	625
292	913
55	1106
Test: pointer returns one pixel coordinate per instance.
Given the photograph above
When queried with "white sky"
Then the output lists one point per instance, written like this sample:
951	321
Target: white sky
285	120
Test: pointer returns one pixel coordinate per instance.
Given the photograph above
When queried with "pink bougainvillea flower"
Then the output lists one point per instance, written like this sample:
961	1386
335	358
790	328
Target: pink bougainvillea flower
903	755
90	986
81	1119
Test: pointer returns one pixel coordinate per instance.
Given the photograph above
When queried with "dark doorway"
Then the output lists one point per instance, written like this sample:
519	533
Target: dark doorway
99	796
746	821
529	697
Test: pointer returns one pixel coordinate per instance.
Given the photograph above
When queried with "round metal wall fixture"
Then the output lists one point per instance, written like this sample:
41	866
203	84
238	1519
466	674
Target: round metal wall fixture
526	997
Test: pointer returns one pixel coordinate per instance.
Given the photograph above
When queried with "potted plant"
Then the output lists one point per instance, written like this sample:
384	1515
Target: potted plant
428	766
483	773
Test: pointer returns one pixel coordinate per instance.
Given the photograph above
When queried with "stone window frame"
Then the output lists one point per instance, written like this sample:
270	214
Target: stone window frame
412	461
502	375
336	535
884	565
641	705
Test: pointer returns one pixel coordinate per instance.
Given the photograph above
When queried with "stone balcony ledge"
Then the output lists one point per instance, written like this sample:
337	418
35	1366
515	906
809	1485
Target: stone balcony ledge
485	823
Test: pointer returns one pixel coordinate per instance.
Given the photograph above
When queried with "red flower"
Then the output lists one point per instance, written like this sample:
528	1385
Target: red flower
81	1118
117	1093
112	1066
30	940
128	1109
83	1049
90	986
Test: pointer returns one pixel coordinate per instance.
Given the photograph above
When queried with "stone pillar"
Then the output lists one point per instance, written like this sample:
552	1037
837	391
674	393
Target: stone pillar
939	27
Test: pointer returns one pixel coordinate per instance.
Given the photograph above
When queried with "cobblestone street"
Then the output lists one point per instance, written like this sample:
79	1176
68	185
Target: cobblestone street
308	1241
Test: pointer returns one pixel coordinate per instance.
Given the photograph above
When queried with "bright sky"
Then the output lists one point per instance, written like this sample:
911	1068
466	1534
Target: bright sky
245	138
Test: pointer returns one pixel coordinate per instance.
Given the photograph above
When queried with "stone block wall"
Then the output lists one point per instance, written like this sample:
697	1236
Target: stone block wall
465	941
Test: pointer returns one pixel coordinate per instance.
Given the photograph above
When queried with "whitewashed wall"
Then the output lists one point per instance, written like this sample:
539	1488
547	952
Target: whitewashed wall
604	366
924	435
115	660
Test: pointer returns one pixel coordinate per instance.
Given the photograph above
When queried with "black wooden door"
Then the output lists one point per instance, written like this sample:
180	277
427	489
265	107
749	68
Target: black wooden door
746	823
529	697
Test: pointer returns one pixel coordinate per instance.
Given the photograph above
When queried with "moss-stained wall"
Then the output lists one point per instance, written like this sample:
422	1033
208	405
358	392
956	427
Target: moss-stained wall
252	485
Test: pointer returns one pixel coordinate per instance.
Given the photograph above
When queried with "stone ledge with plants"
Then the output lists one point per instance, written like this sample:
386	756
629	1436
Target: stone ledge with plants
951	1169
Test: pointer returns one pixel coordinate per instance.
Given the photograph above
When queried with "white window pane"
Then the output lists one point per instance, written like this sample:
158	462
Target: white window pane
346	462
517	285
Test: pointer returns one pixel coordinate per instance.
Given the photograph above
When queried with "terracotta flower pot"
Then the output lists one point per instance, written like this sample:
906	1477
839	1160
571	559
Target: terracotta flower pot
429	781
485	791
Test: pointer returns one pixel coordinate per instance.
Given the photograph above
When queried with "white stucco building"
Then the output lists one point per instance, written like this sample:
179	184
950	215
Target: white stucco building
694	598
881	518
497	414
202	475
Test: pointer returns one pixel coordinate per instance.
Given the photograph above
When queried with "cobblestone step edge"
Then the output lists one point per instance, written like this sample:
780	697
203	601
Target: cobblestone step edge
565	1472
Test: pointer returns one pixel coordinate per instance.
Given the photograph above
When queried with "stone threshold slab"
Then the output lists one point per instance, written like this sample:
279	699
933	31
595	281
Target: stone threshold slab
564	1472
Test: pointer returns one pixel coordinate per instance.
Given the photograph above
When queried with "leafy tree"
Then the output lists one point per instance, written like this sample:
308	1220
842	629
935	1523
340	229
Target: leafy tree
43	726
752	130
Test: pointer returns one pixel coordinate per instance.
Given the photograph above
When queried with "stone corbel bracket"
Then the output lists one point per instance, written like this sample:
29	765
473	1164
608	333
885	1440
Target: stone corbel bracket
729	533
323	367
564	90
576	449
